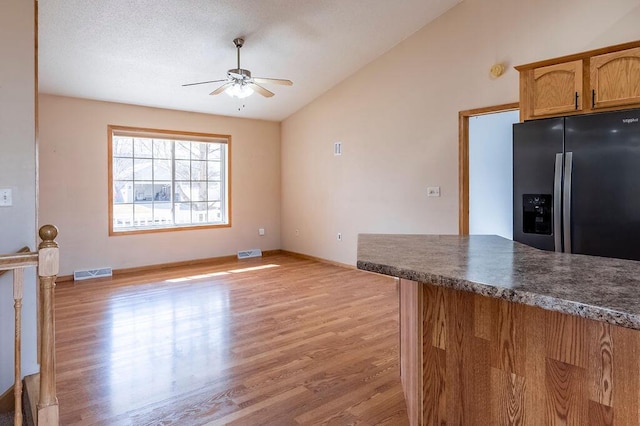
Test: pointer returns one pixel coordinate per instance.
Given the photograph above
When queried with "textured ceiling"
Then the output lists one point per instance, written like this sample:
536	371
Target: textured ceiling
141	51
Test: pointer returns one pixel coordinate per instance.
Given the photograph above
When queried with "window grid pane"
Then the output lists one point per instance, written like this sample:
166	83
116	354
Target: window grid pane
160	183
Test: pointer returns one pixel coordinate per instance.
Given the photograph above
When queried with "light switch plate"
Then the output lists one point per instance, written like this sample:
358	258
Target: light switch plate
337	148
5	197
433	191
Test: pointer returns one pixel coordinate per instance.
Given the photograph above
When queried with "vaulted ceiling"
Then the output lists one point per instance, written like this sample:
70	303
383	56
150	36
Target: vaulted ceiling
141	52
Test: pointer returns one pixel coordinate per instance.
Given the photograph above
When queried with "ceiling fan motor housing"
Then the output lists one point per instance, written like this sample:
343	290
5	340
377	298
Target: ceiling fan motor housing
239	74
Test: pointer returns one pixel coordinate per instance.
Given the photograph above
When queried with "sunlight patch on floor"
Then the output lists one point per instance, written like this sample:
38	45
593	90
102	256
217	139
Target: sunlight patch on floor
217	274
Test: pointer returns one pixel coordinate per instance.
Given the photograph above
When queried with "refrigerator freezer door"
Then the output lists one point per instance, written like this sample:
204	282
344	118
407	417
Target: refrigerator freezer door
535	147
605	187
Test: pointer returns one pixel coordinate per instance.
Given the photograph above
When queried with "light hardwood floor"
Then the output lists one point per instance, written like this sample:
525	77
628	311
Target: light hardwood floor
271	341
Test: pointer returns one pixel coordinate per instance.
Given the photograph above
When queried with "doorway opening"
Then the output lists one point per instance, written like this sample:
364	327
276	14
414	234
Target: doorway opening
485	168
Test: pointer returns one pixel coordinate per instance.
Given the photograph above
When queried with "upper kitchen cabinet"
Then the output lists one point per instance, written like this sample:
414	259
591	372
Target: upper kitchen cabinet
602	79
615	78
556	89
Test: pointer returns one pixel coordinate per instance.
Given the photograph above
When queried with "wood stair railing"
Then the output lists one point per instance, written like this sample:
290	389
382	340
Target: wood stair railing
47	261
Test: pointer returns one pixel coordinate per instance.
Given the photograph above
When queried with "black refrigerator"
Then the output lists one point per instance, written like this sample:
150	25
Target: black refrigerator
576	184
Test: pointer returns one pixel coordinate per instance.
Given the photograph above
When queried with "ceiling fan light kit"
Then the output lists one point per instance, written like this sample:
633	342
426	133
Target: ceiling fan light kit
239	83
239	91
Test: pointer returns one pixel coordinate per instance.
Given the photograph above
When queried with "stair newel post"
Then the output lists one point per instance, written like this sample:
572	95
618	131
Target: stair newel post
48	264
18	281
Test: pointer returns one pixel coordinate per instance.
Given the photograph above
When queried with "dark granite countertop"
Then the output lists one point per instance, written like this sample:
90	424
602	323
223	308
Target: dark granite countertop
592	287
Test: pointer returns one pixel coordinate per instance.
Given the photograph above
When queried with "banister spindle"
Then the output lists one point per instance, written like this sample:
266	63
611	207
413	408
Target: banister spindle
18	281
48	264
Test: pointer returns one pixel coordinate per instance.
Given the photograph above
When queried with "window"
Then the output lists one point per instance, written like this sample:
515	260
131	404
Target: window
161	180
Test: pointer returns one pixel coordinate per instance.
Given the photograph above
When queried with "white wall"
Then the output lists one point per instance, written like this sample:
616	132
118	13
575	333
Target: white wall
74	197
398	118
17	172
491	173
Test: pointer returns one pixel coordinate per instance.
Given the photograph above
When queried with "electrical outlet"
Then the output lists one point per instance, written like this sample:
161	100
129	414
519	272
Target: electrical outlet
5	197
260	231
297	232
339	237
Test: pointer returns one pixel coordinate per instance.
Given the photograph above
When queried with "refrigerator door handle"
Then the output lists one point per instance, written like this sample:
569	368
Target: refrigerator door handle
566	201
557	196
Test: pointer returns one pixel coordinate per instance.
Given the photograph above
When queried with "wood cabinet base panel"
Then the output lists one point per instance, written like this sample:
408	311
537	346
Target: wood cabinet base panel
488	361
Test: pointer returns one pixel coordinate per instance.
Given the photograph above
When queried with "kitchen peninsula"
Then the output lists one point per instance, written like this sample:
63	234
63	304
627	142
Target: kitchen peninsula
495	332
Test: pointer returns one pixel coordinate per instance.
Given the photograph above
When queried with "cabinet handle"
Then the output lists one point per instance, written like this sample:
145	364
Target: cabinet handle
576	100
593	98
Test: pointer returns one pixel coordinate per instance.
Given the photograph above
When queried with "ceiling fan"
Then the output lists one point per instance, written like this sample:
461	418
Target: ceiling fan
239	82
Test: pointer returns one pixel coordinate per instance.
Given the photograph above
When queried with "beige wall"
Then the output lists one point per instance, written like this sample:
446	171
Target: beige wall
398	118
73	185
17	172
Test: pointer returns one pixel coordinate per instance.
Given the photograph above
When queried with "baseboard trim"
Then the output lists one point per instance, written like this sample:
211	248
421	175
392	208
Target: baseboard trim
64	278
7	401
171	265
318	259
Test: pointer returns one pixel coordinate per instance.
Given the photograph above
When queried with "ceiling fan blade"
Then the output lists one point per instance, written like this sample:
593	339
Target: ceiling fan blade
264	92
204	82
281	81
222	88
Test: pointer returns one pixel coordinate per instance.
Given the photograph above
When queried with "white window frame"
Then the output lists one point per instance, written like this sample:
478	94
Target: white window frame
155	203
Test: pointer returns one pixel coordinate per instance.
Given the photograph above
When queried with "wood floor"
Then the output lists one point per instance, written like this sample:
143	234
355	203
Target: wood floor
271	341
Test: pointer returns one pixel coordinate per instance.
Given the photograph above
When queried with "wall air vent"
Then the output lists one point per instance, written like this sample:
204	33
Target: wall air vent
92	273
244	254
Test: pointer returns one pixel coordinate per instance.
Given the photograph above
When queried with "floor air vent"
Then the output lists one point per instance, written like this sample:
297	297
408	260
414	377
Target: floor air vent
92	273
244	254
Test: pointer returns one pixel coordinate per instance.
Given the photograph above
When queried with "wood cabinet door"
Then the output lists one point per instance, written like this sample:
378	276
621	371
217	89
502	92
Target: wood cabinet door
615	78
557	88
